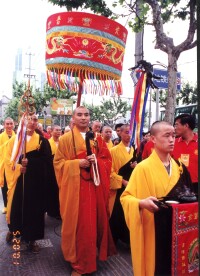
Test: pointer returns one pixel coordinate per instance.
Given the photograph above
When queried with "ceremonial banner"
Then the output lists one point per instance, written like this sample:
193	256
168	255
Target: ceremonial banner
87	49
185	242
138	108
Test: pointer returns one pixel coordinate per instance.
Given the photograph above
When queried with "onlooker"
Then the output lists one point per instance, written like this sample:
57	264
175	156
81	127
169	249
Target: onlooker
67	128
186	145
71	123
27	187
118	131
96	126
148	149
116	141
82	169
4	138
53	208
48	133
153	178
122	166
107	134
40	130
145	139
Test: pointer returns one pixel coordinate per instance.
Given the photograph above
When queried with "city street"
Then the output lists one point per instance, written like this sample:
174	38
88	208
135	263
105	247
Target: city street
50	261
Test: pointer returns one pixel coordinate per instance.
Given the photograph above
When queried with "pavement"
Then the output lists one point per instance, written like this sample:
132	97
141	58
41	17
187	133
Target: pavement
50	261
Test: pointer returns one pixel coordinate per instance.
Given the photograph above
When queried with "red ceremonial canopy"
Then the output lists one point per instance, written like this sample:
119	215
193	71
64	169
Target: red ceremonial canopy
86	49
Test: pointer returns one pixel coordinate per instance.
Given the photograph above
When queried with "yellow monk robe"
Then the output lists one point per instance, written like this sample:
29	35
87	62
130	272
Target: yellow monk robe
12	175
149	178
53	145
109	145
68	172
3	143
53	207
120	156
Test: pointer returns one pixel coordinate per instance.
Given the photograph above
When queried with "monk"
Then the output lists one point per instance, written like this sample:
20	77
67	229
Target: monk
107	135
26	187
53	209
153	178
82	169
4	138
122	167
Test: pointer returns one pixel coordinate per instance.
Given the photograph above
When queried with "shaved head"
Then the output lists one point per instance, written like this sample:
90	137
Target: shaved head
78	109
106	127
157	126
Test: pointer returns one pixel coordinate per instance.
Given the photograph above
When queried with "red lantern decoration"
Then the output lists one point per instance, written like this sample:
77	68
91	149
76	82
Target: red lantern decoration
85	52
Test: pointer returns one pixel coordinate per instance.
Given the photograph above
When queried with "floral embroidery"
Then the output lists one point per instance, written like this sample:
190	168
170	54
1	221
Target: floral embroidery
182	218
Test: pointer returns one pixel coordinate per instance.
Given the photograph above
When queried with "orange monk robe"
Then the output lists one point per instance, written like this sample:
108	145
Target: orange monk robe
67	172
149	178
120	156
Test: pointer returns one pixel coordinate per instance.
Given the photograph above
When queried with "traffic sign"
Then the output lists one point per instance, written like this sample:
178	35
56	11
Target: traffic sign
163	83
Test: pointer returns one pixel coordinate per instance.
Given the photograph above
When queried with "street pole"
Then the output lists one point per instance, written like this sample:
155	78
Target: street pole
157	104
150	93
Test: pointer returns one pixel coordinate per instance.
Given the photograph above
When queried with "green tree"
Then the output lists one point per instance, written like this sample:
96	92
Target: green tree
109	110
97	6
41	99
187	95
157	14
12	109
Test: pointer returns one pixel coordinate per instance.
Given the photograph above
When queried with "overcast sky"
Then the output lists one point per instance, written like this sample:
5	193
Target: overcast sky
23	24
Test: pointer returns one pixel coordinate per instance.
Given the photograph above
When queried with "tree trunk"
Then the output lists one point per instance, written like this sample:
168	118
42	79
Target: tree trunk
139	54
172	86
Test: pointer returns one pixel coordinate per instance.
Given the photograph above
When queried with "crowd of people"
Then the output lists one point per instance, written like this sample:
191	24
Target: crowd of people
102	190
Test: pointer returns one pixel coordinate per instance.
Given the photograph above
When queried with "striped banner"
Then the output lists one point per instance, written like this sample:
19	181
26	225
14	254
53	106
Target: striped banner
19	141
138	109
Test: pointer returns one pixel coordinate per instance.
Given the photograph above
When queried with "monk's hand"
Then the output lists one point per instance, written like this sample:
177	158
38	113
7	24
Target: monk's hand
23	169
24	162
133	164
91	158
124	182
84	163
148	204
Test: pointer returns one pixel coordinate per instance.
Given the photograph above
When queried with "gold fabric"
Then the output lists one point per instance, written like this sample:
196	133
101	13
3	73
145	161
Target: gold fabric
3	143
53	145
120	156
109	145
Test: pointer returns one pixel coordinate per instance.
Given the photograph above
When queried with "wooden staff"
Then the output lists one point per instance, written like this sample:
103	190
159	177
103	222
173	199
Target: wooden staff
23	181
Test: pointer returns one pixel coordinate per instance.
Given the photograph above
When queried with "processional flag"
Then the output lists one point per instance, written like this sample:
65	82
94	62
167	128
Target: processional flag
142	75
84	53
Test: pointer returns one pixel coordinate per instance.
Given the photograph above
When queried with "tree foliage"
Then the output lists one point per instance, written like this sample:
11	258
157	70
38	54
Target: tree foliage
97	6
41	98
109	110
187	95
